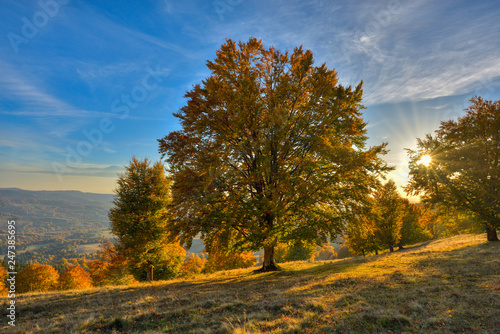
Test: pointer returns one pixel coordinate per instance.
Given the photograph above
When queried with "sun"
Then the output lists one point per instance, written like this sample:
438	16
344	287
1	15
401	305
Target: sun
425	160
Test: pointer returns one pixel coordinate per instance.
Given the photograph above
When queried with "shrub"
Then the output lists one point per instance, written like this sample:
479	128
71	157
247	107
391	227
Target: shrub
193	266
221	261
37	278
110	268
75	278
3	284
326	252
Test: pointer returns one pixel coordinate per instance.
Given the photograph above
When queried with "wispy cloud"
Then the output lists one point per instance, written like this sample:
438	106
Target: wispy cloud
33	99
425	50
402	50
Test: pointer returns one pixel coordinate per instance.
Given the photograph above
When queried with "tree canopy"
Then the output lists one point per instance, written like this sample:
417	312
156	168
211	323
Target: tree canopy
271	149
462	166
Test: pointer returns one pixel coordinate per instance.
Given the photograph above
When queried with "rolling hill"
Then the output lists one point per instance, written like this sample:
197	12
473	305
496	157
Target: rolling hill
48	221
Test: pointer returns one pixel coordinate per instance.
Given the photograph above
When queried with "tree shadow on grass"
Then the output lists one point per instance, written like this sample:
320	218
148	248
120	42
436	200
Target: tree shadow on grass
329	298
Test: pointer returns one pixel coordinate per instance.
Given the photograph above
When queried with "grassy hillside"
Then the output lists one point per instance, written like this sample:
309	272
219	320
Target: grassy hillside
443	286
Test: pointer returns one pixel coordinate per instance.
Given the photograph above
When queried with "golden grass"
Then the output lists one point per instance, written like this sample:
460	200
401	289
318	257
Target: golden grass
443	286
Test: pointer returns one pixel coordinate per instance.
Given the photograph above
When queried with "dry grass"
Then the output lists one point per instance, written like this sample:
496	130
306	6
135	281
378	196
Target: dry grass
444	286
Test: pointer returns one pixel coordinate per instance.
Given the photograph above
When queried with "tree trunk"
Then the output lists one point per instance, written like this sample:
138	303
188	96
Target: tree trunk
491	233
269	264
149	274
391	249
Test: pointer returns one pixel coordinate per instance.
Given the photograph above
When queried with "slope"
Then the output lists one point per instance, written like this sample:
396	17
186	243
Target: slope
443	286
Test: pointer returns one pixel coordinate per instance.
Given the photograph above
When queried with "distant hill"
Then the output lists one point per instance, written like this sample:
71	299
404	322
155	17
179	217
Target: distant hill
56	224
58	195
55	211
48	217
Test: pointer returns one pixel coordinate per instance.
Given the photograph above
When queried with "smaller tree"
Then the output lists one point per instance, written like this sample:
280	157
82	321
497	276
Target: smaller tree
388	213
194	265
412	230
300	250
360	237
295	250
139	219
37	278
167	262
343	252
75	278
325	252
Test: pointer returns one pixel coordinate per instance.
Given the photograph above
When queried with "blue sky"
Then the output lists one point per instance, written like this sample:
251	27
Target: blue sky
85	85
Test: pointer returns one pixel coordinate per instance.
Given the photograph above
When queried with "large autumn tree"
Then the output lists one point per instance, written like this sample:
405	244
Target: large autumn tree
460	165
139	219
272	149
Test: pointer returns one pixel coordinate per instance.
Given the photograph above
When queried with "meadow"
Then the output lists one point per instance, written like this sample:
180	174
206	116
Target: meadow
442	286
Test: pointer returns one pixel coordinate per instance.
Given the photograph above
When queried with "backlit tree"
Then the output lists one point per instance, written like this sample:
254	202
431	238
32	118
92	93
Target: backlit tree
412	230
460	165
272	149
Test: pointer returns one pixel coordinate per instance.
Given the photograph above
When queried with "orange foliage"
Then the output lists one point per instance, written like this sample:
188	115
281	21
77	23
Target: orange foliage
193	266
75	278
221	261
3	285
37	278
326	252
110	268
